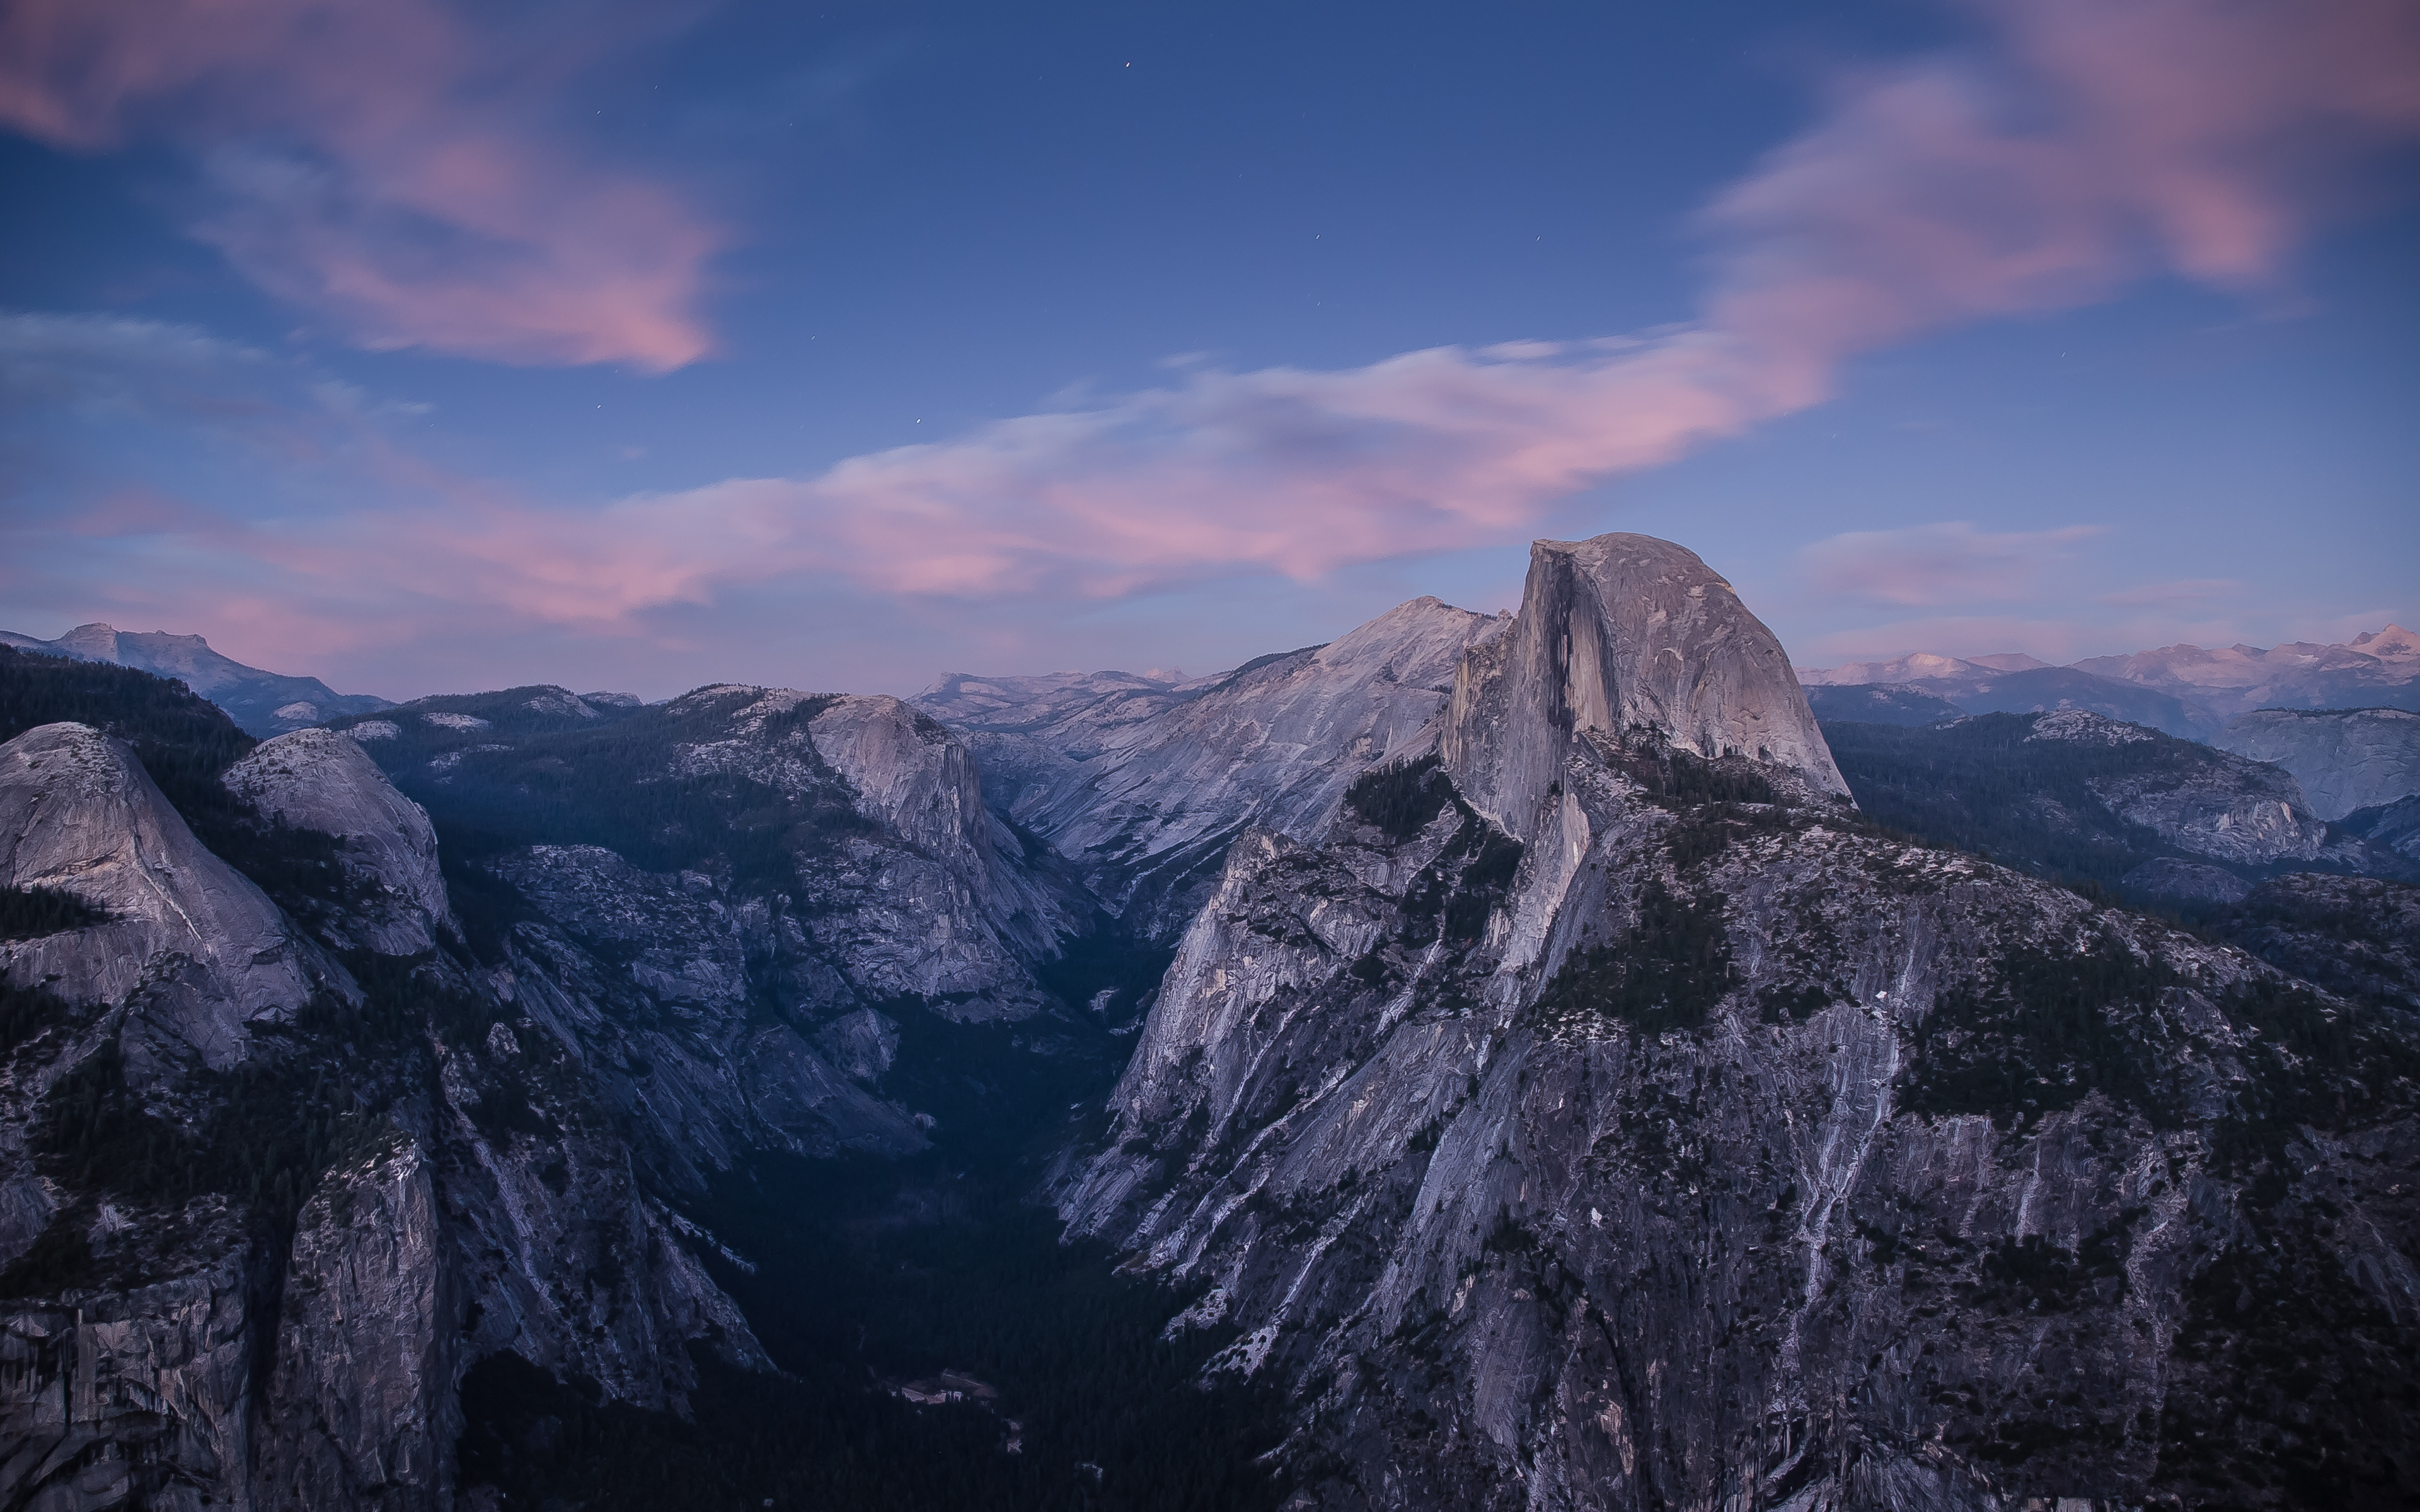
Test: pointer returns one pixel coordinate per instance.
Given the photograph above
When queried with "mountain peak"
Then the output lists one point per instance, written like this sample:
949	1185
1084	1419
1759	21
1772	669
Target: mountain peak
1615	634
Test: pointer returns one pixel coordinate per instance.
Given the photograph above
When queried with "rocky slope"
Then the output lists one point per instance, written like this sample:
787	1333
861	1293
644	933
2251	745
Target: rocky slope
2345	759
319	780
2393	827
864	815
264	704
190	1070
1604	1115
2077	796
1145	790
279	1167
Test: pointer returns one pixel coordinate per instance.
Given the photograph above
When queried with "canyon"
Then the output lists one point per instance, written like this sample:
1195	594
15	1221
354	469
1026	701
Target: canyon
1516	1060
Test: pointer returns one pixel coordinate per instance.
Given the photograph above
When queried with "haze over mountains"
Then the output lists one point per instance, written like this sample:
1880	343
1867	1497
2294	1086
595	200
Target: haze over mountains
2183	690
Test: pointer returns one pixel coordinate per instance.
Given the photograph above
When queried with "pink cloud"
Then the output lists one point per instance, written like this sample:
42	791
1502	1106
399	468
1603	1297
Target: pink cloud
2100	142
367	162
2103	140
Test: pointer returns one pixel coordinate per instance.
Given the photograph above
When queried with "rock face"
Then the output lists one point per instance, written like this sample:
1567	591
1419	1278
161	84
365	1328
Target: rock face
192	951
1618	635
264	703
1607	1118
320	780
1146	806
2226	808
2393	827
2345	759
382	1171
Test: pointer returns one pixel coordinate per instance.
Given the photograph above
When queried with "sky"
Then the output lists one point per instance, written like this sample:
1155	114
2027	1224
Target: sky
426	347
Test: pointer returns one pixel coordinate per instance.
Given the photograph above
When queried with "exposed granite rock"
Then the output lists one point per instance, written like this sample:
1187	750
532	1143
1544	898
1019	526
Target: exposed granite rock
2391	827
650	982
263	702
322	781
1605	1144
192	951
2345	759
1147	806
139	1397
1616	634
360	1403
2378	667
2221	806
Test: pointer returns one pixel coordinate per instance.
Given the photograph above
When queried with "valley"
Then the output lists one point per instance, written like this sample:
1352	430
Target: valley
1527	1060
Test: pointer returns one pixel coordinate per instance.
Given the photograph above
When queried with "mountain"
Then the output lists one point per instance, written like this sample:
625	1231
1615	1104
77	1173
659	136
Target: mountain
1483	1062
2393	825
2012	683
2077	797
353	1151
2183	690
1900	703
263	703
1143	786
2345	758
1600	1112
2379	668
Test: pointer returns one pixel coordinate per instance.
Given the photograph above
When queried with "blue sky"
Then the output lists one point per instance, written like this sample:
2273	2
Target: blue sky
840	347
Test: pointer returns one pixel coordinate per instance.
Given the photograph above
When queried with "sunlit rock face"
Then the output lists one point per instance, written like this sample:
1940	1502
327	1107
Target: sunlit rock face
1607	1117
1617	636
321	780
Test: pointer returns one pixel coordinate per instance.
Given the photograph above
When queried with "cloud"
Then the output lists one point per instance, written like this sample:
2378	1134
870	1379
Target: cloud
1952	562
2094	143
372	163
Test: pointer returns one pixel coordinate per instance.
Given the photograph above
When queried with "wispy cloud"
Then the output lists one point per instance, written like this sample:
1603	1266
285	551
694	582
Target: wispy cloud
373	163
2093	144
1951	562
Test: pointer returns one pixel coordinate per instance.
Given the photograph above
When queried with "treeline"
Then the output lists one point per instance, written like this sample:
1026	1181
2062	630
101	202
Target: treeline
186	744
1979	785
876	1272
613	783
30	913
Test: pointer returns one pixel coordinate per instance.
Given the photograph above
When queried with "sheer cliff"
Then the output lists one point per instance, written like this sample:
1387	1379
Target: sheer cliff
1603	1114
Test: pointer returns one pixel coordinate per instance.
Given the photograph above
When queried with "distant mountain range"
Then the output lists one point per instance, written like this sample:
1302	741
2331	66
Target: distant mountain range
263	702
2183	690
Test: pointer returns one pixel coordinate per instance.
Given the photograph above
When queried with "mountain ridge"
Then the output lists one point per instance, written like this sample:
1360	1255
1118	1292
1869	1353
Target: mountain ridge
262	703
2186	690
